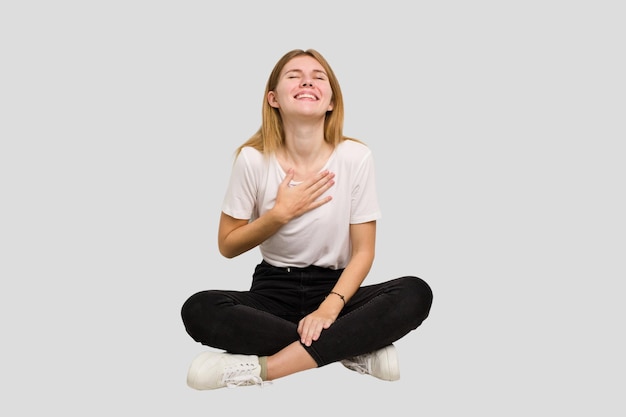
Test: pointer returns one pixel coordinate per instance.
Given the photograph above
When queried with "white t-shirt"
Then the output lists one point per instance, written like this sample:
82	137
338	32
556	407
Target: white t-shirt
321	236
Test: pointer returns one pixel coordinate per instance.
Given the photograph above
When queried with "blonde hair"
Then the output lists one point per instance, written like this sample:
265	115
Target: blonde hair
270	136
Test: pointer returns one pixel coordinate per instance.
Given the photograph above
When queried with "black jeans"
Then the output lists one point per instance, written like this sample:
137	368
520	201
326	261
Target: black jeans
264	319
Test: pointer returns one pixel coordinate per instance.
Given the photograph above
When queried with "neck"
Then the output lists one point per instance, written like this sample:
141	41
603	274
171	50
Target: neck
306	156
304	144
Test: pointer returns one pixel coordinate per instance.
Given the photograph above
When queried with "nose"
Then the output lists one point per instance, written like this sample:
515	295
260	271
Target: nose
307	83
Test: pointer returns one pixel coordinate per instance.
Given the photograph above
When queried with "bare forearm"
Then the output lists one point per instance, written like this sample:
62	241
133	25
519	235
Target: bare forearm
355	273
363	238
351	279
241	239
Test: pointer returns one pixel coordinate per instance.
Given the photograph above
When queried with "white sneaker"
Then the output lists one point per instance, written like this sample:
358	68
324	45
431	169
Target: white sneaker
211	370
382	364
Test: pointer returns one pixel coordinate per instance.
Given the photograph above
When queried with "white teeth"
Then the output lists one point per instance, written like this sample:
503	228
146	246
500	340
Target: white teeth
305	96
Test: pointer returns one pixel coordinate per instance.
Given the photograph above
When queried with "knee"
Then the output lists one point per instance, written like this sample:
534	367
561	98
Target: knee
189	306
422	290
197	308
419	296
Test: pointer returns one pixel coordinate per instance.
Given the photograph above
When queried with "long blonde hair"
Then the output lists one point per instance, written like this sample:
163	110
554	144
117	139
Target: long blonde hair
270	136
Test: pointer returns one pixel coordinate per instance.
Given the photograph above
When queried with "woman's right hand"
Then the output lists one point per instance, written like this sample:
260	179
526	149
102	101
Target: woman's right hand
295	200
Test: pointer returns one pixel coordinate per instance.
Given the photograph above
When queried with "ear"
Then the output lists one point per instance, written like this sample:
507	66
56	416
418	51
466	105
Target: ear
271	99
331	106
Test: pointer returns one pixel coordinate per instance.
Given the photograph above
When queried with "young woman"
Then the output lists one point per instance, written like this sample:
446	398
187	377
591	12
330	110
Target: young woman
305	195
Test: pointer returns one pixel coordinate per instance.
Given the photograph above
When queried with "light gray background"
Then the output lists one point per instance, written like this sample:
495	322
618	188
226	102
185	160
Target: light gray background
497	129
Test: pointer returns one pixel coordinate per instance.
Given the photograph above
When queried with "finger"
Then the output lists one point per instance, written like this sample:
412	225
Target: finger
312	334
317	203
322	188
315	190
325	179
307	341
288	177
316	335
320	177
304	334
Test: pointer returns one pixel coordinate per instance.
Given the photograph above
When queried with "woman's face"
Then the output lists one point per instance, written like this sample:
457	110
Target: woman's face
303	89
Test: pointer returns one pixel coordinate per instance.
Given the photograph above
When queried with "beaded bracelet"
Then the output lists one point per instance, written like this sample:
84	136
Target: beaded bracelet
339	295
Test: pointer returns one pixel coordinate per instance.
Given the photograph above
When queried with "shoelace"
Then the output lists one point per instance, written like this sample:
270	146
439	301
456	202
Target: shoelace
245	380
358	364
241	375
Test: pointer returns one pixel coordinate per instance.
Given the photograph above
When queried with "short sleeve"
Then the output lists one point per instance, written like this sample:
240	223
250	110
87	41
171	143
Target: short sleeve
240	199
365	205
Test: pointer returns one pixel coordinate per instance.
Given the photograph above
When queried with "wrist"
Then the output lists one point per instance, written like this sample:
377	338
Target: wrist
278	216
341	297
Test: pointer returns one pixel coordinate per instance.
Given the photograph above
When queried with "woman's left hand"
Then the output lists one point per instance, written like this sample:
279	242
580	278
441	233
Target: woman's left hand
311	326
